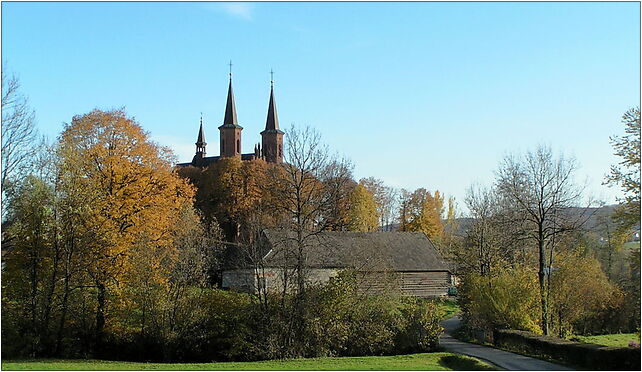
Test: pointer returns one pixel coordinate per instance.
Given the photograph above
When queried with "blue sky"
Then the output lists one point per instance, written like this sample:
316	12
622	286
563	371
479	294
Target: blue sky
418	94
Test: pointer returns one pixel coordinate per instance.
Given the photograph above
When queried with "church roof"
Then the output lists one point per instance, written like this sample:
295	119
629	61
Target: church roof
376	251
230	120
206	161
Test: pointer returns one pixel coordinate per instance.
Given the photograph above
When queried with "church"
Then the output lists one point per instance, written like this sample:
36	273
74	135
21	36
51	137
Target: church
270	149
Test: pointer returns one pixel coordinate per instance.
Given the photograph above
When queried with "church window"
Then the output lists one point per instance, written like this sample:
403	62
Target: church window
238	146
222	146
280	150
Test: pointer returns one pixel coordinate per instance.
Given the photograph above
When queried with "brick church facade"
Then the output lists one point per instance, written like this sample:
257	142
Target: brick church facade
230	136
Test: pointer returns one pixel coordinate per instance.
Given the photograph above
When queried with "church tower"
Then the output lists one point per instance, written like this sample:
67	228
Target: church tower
200	145
272	136
230	131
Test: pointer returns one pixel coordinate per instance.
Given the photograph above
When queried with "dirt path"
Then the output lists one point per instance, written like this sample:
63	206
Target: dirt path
500	358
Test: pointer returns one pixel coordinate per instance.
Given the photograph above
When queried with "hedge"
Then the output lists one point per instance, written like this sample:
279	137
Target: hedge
590	356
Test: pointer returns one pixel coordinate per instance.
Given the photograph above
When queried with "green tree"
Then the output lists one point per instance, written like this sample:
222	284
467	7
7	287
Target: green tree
30	276
627	173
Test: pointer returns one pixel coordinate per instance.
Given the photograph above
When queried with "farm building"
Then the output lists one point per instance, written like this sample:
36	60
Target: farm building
405	262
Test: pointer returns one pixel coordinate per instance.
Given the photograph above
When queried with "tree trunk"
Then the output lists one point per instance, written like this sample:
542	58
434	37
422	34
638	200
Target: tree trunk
63	316
65	299
100	315
542	281
49	298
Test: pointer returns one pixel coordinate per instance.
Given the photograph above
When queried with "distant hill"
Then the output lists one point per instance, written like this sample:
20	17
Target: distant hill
592	216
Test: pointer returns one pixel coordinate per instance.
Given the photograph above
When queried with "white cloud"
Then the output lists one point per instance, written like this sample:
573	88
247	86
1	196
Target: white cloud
236	9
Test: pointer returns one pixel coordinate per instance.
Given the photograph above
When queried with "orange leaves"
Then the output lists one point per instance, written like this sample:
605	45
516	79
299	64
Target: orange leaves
129	191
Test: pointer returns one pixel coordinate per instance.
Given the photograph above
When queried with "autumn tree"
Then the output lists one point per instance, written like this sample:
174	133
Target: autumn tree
422	211
580	291
363	215
305	189
539	190
385	198
230	192
129	195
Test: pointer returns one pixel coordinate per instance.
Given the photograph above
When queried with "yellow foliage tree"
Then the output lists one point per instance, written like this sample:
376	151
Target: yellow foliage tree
579	290
362	213
126	193
423	211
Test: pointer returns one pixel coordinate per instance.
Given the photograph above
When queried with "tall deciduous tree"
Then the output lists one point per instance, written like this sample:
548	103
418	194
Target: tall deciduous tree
306	189
362	215
540	189
385	198
18	131
129	195
422	211
482	250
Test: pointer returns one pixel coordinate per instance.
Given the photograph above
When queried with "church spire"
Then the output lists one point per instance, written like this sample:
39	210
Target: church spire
200	141
230	108
230	131
272	136
272	122
201	136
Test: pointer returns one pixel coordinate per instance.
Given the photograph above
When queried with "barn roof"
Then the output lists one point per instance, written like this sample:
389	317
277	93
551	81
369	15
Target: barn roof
398	251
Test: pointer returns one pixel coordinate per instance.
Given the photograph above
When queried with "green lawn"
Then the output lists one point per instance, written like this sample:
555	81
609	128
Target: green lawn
447	308
615	339
412	362
631	245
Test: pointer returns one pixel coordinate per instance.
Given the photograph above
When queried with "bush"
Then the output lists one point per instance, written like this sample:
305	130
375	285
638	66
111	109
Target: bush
505	299
208	325
205	325
342	321
583	301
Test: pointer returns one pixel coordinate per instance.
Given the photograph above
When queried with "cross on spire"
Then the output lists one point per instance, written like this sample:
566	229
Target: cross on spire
230	69
271	78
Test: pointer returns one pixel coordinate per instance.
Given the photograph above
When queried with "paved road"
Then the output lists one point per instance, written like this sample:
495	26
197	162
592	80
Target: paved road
500	358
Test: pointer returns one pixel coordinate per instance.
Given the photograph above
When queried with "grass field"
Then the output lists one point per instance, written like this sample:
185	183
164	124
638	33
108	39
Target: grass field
615	339
447	308
412	362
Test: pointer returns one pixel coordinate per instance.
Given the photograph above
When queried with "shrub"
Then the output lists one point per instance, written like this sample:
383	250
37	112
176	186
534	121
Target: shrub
583	301
506	299
342	321
204	325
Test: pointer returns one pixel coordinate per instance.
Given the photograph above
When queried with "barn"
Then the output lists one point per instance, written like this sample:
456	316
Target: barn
405	262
